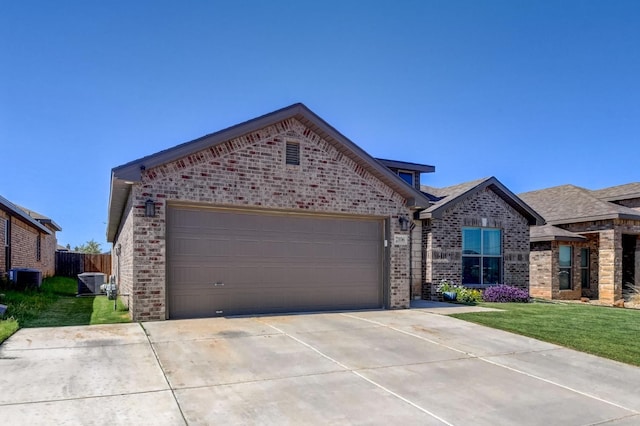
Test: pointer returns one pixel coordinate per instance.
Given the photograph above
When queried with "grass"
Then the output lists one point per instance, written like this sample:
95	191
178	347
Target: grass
55	304
607	332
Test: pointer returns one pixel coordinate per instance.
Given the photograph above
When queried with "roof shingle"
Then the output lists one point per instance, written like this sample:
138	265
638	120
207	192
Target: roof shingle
570	204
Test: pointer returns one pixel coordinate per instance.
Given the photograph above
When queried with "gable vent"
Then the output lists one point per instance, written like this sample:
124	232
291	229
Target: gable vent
293	153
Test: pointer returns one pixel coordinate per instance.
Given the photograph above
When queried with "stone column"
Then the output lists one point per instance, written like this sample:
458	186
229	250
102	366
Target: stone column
540	270
610	266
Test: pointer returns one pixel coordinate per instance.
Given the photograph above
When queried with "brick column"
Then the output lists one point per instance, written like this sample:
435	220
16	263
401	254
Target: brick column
400	294
610	266
416	260
637	264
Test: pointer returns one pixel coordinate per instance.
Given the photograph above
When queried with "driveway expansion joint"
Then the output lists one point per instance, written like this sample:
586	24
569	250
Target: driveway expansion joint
356	373
164	374
498	364
82	398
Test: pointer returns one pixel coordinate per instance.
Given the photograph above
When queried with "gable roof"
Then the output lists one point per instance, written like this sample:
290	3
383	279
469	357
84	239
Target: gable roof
41	218
570	204
619	192
123	176
444	198
22	215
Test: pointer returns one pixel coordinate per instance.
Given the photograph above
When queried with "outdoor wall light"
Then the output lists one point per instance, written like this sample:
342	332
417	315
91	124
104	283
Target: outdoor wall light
149	208
404	223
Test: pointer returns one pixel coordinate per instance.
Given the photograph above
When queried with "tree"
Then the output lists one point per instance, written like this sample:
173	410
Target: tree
91	247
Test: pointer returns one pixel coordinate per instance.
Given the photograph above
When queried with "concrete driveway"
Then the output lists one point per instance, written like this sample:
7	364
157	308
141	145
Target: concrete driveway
374	367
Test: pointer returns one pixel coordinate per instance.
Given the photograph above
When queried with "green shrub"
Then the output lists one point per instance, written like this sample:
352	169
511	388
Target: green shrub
463	294
469	296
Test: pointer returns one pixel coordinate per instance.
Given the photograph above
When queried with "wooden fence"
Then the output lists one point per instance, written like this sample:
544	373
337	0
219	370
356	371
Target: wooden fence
70	264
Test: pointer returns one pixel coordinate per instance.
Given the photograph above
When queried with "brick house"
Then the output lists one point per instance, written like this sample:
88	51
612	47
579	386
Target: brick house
475	234
28	238
283	213
590	245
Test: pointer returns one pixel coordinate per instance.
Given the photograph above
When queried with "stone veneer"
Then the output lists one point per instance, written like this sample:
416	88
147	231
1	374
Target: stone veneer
250	171
442	240
604	239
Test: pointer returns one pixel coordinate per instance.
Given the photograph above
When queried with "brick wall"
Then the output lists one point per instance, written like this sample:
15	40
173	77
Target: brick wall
250	171
48	255
23	247
442	240
3	231
122	263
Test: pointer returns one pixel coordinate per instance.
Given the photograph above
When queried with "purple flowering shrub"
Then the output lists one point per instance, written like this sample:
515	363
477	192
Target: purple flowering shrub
505	293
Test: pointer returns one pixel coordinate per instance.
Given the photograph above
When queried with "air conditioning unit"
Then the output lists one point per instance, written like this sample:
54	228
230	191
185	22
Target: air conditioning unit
90	282
25	277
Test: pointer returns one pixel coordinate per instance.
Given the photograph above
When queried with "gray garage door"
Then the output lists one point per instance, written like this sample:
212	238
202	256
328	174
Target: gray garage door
225	262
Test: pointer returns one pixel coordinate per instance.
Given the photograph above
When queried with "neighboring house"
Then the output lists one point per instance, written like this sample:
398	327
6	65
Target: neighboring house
283	213
28	238
475	234
590	245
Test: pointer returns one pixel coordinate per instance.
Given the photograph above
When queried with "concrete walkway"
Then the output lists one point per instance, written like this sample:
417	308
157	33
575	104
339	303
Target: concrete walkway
374	367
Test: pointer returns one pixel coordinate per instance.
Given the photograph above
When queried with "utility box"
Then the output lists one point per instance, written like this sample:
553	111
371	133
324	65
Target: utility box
90	282
25	277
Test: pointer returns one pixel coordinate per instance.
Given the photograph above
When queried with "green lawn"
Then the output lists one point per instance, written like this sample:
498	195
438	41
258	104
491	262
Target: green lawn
608	332
55	304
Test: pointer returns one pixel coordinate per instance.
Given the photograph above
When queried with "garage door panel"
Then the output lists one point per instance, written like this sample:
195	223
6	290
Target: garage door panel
270	262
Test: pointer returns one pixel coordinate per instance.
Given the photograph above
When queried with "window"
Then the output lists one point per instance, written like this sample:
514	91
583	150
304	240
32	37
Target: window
481	256
584	268
406	176
7	244
565	256
293	153
38	248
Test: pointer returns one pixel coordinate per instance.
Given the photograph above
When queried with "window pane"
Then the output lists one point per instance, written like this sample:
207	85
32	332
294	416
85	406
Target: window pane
565	256
565	278
584	278
491	270
471	241
470	270
407	177
584	257
491	242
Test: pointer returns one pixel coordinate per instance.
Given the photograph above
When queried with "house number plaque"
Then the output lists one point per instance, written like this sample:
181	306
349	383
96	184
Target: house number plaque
400	240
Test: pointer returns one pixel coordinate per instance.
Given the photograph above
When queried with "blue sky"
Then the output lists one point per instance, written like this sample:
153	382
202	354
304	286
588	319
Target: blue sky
536	93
